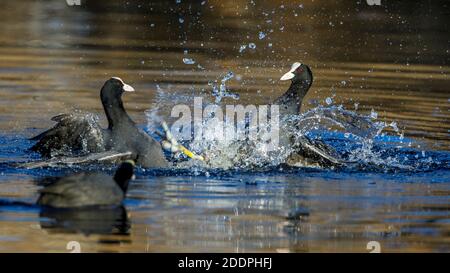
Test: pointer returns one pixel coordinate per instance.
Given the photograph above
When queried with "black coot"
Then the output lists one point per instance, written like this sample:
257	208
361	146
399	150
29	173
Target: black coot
77	134
88	189
307	151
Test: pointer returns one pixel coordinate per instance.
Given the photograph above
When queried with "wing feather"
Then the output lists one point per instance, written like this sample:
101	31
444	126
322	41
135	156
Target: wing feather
73	134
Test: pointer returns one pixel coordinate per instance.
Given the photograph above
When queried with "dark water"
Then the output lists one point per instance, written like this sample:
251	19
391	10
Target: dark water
391	62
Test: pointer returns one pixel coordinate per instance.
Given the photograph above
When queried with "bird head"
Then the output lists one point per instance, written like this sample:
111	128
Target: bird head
114	88
299	73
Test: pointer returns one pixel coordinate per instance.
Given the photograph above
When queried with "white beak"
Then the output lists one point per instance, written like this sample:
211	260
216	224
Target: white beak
128	88
287	76
290	75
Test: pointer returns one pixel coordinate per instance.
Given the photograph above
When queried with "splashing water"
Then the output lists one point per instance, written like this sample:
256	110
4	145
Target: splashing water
364	141
261	35
242	48
188	61
220	92
163	98
252	45
360	140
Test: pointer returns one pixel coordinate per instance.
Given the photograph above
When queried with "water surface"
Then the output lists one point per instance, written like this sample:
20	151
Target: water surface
391	60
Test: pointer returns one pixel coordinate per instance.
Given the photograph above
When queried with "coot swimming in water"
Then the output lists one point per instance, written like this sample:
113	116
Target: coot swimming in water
306	151
88	189
76	134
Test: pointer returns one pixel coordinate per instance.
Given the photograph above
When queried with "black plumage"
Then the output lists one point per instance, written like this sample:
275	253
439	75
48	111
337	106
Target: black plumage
306	151
77	134
88	189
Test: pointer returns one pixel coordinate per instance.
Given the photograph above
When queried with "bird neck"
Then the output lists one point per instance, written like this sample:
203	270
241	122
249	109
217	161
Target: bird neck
297	91
115	112
122	182
294	95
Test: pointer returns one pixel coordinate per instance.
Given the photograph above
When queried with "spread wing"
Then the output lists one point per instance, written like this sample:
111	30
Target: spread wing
73	134
108	157
314	152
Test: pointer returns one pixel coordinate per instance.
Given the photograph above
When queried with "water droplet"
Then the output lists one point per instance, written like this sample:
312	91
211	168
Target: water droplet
228	76
220	92
261	35
394	126
373	114
252	45
329	100
181	20
242	48
188	61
